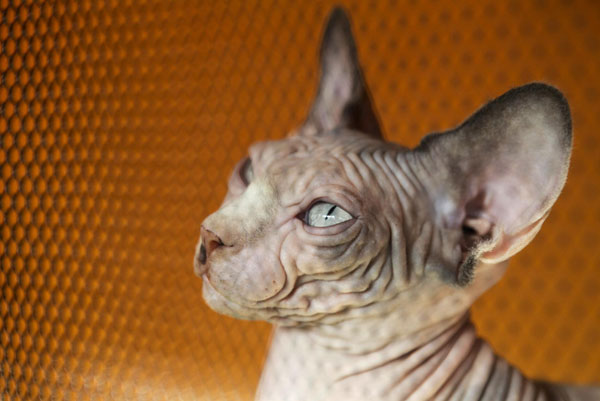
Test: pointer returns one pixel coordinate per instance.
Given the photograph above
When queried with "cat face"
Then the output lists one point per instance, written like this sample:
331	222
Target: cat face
334	223
309	233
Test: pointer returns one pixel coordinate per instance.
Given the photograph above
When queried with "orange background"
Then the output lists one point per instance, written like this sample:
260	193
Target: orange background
121	120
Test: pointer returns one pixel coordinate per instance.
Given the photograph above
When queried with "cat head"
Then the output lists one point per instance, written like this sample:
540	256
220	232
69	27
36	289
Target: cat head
334	222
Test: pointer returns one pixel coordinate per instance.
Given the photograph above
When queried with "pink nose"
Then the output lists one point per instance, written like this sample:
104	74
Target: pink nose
210	242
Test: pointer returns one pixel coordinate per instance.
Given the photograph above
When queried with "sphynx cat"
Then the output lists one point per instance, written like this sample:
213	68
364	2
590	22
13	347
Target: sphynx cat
367	255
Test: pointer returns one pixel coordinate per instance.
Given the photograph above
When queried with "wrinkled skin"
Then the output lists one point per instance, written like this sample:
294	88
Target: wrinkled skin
376	307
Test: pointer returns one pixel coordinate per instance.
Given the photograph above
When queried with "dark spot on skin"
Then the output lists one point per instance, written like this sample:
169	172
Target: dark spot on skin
466	271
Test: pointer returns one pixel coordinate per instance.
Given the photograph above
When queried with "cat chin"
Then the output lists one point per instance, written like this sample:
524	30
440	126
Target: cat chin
222	305
216	301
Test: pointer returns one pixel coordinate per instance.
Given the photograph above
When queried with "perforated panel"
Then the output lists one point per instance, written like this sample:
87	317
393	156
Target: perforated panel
120	121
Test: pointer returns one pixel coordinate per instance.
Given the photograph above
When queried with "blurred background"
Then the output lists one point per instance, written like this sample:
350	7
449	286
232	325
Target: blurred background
121	120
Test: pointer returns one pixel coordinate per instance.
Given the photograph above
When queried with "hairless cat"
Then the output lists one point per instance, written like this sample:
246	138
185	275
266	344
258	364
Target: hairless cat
367	255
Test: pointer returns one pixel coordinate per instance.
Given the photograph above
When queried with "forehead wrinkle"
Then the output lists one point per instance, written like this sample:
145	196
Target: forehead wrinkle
294	180
364	179
381	179
386	163
297	166
352	174
265	154
313	177
286	164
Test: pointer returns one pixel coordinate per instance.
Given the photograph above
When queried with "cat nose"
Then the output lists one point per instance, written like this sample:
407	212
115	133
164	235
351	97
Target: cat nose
210	242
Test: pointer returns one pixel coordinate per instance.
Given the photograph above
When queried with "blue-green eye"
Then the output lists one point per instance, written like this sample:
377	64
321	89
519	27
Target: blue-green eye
325	214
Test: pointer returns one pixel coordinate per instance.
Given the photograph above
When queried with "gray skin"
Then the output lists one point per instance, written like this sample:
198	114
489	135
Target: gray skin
376	307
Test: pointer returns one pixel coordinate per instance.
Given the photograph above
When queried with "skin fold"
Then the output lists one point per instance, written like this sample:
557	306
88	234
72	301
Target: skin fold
375	307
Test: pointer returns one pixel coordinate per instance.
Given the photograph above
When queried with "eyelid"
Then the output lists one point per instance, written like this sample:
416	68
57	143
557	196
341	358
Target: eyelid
330	230
341	203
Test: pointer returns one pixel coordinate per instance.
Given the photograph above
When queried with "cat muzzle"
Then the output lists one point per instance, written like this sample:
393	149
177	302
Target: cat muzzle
209	242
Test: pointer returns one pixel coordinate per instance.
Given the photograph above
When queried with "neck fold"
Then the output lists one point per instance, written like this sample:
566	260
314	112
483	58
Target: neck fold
443	361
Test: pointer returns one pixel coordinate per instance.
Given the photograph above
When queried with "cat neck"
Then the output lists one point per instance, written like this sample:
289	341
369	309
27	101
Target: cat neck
446	359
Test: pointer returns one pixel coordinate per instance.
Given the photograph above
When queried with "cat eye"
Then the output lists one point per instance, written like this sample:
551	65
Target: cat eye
325	214
247	172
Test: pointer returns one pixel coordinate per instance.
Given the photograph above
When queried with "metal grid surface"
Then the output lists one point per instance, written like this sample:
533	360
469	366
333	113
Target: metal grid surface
120	121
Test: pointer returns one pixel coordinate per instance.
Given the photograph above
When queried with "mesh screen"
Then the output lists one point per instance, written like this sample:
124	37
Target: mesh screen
120	121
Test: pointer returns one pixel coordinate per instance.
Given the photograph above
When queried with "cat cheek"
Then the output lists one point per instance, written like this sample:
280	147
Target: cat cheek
222	305
217	301
252	275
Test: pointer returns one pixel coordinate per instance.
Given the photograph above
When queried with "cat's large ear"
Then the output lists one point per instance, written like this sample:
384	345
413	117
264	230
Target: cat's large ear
497	175
343	99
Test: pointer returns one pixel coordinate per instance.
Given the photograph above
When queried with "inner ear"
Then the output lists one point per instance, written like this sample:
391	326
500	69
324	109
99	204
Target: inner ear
476	226
343	99
475	230
496	176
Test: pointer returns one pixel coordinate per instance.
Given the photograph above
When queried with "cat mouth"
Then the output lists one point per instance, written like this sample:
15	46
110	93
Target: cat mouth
222	304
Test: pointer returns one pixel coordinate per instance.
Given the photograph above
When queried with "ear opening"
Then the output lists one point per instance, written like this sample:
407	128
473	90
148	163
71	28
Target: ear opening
497	175
478	235
343	99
